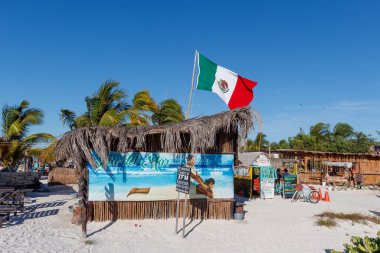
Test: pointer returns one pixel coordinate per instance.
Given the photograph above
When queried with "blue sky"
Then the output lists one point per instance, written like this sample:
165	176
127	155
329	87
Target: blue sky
314	60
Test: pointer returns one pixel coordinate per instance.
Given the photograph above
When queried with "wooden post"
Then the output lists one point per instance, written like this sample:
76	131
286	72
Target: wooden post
184	217
83	202
176	214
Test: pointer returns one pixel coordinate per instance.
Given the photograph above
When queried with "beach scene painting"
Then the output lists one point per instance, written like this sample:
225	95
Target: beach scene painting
145	176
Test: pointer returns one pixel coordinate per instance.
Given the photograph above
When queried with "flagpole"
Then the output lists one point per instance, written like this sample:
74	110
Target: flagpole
192	86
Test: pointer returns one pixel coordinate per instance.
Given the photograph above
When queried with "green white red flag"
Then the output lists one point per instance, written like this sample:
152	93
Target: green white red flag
234	90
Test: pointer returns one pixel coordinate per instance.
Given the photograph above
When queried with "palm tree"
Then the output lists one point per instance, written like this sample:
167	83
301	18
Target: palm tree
249	146
107	107
16	121
169	111
343	130
261	143
320	130
143	105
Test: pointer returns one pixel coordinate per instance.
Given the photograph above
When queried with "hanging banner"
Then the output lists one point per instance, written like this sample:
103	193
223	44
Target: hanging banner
142	176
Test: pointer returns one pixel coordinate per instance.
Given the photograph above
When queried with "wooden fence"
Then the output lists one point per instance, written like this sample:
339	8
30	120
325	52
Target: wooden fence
63	176
196	209
310	177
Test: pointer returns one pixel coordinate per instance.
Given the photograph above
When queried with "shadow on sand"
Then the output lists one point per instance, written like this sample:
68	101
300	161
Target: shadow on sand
103	228
30	212
188	224
53	190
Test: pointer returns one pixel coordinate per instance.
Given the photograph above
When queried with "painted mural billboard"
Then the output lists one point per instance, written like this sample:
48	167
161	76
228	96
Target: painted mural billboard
142	176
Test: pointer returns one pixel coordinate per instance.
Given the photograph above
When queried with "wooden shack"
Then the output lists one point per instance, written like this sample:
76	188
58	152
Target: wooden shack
314	164
218	133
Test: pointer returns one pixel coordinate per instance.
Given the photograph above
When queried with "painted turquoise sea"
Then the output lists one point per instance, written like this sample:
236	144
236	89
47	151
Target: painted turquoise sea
156	170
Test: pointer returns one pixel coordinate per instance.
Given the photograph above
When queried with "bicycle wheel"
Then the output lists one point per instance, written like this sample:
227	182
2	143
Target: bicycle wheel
314	197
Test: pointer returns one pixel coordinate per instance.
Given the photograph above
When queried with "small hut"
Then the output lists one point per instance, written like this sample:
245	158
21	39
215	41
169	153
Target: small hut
216	134
243	173
314	165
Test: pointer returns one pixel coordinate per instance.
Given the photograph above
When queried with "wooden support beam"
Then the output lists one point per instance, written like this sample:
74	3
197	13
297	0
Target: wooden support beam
83	202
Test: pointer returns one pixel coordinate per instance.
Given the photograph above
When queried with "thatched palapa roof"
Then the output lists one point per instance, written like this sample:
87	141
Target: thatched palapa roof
197	134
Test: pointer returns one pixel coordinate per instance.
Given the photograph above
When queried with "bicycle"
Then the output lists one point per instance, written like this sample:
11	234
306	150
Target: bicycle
307	194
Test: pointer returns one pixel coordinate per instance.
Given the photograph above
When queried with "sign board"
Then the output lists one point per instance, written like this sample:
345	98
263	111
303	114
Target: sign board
242	172
261	160
290	183
267	177
145	176
183	180
267	188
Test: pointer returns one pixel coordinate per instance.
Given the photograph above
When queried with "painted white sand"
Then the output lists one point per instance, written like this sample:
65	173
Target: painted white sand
270	226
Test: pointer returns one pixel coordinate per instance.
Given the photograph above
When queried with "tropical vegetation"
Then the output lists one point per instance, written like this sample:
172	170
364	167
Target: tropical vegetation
109	107
16	121
359	244
341	138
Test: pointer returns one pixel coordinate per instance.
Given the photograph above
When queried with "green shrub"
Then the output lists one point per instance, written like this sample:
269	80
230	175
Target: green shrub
362	245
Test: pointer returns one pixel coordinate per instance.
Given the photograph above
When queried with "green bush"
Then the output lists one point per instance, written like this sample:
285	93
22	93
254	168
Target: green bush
362	245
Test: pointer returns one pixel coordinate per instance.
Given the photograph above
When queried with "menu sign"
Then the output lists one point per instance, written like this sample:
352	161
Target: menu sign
290	183
183	180
267	188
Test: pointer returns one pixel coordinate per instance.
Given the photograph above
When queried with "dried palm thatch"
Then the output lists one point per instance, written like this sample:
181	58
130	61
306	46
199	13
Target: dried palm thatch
194	135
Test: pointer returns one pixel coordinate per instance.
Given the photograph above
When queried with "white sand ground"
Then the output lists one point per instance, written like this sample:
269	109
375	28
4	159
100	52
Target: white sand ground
269	226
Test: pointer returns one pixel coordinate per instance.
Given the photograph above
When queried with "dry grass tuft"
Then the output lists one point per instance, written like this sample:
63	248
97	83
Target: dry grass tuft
88	242
326	222
353	217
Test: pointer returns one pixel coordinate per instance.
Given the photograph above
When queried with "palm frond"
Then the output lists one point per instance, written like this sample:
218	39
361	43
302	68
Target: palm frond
343	130
82	121
68	118
169	112
9	115
36	139
112	118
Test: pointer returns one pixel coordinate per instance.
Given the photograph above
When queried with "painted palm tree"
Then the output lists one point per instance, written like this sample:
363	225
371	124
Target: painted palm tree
107	107
143	106
169	111
15	124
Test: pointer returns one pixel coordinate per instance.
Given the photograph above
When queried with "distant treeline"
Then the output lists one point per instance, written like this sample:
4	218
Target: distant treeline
342	138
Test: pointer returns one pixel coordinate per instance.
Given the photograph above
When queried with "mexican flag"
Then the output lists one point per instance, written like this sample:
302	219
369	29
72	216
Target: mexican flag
234	90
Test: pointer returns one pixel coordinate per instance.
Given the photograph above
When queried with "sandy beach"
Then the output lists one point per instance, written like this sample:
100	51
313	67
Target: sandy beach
269	226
